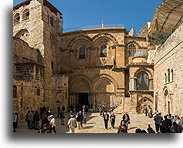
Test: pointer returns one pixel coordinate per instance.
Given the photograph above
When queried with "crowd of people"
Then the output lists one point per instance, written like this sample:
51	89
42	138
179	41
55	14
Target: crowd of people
168	124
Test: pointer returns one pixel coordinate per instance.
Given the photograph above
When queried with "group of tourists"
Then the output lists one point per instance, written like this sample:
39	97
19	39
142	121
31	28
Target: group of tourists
77	121
123	127
170	124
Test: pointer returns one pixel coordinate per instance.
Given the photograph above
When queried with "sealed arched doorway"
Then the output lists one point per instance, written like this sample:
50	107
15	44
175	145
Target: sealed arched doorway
167	99
104	93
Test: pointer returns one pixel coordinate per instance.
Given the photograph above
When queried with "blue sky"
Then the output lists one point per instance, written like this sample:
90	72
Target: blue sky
131	13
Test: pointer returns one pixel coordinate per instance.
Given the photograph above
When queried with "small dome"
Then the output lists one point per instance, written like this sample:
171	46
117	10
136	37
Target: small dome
141	54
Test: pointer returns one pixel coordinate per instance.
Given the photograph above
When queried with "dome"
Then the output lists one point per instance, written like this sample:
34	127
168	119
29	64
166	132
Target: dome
141	54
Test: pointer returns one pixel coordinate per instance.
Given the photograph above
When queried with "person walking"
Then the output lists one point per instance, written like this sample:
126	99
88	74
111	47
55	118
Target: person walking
158	120
84	117
15	120
126	118
79	119
52	124
72	123
150	115
103	109
112	120
58	111
36	120
100	111
145	110
62	117
44	119
106	119
30	118
63	108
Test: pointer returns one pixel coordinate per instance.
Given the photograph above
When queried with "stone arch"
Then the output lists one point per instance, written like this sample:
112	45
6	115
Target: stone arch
25	14
144	101
145	70
16	18
78	39
133	42
80	84
104	36
23	34
108	80
167	99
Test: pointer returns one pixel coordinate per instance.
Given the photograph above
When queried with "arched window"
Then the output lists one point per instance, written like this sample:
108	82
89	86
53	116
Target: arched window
25	15
142	81
103	50
14	91
51	21
168	75
172	75
82	52
16	18
165	78
131	49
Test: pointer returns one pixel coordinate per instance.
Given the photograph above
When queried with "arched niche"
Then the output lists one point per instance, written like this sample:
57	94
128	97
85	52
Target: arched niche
23	34
104	85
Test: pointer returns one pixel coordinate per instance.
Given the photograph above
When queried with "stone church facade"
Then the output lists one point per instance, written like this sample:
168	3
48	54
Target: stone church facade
93	67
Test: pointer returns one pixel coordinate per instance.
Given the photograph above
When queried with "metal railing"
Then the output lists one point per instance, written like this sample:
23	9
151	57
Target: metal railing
94	27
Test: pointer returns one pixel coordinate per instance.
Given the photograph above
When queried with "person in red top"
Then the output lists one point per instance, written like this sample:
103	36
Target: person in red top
44	119
122	128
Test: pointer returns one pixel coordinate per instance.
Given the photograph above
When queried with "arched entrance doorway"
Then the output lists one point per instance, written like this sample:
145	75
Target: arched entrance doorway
79	94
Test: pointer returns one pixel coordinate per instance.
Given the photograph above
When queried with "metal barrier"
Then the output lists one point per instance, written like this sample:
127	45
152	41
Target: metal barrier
94	27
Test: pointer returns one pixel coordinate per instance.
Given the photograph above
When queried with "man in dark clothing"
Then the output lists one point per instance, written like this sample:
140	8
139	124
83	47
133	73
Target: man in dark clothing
112	119
126	118
36	120
58	111
158	120
106	119
63	108
79	119
168	123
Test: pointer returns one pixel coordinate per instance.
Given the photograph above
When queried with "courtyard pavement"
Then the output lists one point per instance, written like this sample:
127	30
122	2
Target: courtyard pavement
95	124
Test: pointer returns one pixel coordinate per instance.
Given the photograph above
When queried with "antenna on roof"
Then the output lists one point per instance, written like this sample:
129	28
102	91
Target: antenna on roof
102	23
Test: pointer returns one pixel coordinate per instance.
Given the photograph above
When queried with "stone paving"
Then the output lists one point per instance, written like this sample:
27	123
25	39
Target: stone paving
95	124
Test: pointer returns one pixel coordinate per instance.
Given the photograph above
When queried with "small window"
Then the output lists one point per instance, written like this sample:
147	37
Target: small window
16	19
168	75
103	50
82	52
38	92
51	21
14	91
172	75
131	50
25	14
165	78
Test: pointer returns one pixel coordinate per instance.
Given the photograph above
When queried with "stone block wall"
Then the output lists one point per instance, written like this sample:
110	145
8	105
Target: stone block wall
168	94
